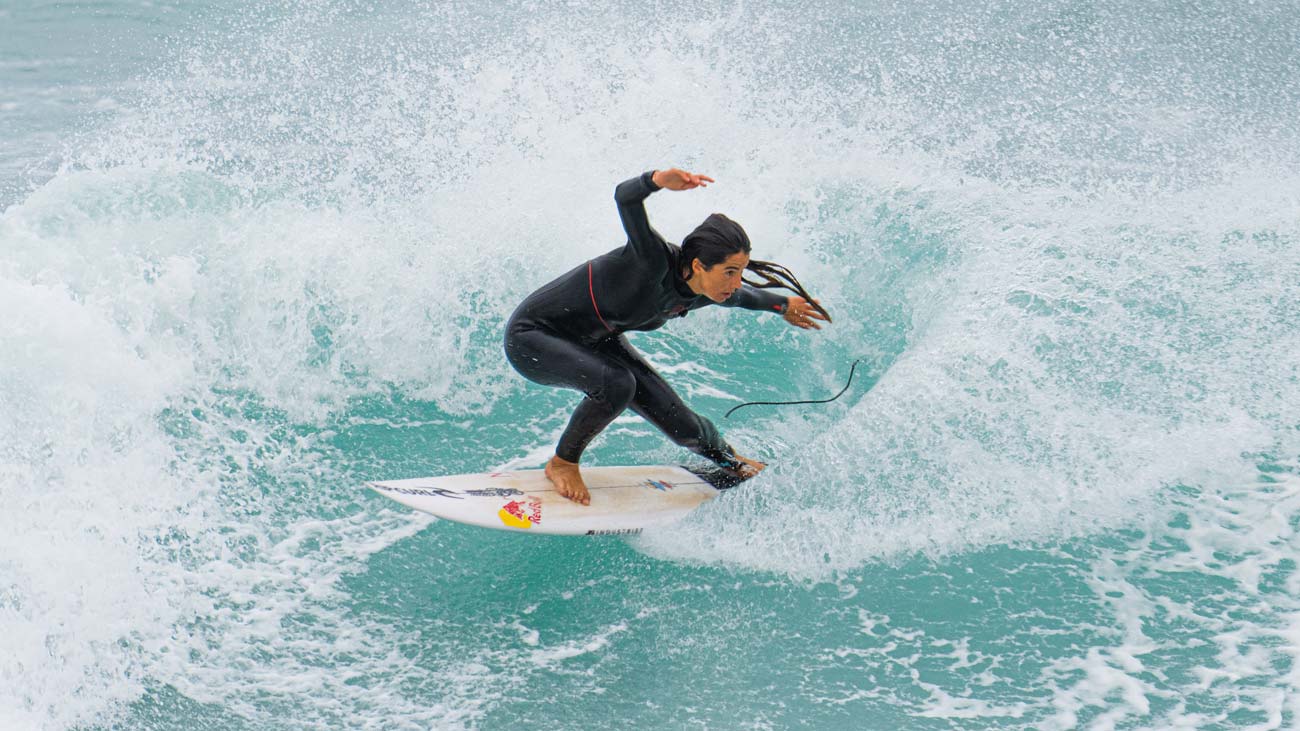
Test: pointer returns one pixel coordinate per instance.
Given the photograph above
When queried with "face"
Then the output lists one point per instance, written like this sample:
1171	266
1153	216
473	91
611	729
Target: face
719	281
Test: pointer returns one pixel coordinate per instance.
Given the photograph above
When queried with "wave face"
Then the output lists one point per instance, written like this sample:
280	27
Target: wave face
251	259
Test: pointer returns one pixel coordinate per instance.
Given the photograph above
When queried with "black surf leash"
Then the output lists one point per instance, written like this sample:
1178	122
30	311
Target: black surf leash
776	276
853	368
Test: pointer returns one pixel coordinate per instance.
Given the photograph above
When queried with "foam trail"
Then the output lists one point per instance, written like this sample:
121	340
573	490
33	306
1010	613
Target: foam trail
1069	265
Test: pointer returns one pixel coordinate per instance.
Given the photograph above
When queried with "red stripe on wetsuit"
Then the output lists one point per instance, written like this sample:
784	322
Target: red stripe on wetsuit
592	289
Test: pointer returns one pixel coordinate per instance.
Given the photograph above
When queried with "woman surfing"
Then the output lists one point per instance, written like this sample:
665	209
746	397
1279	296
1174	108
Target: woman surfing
569	333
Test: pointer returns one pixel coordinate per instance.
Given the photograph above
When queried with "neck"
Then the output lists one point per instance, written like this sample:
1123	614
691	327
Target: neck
691	282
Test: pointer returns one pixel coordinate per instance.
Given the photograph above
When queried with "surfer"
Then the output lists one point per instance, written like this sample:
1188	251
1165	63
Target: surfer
570	333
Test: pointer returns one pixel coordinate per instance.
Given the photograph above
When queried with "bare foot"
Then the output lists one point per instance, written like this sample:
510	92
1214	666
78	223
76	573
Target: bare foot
748	467
567	480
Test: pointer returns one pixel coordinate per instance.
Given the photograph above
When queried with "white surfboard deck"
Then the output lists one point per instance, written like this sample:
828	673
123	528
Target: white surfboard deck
624	500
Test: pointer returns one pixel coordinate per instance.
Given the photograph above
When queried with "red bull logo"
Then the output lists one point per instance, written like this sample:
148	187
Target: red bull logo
522	514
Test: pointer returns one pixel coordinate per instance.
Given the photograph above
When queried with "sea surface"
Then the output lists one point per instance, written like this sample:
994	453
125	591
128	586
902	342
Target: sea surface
253	255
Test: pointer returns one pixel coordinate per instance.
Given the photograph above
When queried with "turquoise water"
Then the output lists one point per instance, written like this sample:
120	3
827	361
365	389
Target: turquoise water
252	258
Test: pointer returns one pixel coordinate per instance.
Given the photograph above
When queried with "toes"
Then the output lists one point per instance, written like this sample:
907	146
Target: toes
574	493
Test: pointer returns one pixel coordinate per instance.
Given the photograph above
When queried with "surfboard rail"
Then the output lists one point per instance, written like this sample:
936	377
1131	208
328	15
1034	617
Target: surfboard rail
624	500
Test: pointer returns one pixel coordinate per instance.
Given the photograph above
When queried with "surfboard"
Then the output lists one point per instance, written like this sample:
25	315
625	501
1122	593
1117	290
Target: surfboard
624	500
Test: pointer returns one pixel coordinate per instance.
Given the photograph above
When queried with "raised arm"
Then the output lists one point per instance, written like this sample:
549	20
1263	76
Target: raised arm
630	196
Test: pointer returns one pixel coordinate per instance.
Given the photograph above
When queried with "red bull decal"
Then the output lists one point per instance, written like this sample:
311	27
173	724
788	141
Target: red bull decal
522	514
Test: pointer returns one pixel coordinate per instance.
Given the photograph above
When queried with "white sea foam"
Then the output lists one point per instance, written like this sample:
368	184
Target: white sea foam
1066	319
1048	387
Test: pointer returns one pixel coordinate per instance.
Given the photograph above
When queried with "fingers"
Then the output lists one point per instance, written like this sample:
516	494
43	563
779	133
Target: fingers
683	180
801	314
815	312
697	181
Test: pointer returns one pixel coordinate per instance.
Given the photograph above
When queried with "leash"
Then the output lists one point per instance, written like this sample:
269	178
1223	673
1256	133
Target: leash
853	368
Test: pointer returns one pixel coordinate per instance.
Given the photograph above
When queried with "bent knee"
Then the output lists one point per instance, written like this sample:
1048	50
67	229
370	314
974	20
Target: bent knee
617	387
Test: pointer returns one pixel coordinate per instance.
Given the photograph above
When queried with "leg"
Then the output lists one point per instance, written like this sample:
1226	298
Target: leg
657	403
551	360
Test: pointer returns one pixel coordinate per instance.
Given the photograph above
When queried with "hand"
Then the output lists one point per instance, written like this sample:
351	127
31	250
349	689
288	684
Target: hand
675	179
800	313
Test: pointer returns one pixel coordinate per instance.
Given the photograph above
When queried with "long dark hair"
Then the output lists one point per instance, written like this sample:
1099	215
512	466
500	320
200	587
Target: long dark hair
718	238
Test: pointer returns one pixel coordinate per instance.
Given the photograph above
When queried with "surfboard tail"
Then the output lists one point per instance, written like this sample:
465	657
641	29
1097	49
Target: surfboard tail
720	479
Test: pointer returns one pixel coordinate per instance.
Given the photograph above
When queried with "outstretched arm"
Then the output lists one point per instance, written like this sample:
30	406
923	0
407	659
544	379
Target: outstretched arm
794	309
753	298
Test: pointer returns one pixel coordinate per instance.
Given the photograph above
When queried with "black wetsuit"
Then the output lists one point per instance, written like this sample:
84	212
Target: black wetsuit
570	333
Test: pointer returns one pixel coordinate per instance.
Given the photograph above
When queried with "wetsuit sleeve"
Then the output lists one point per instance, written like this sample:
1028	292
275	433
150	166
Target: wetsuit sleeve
643	241
753	298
